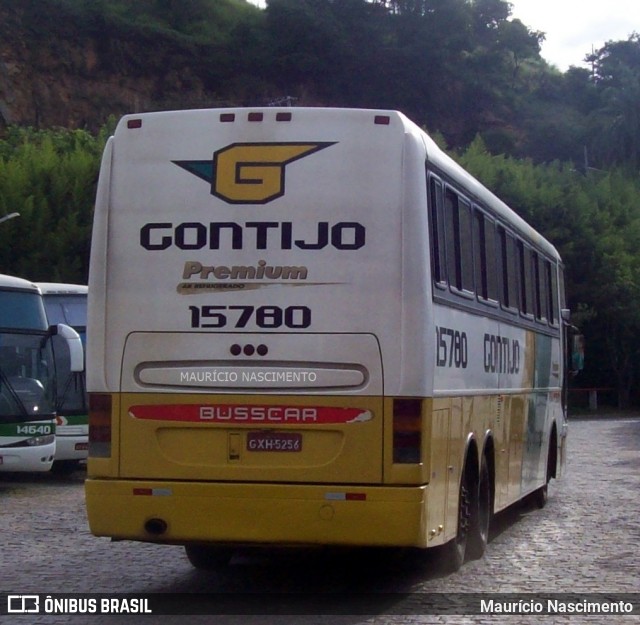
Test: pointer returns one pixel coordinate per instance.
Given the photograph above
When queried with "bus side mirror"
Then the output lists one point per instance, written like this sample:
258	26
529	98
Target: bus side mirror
74	343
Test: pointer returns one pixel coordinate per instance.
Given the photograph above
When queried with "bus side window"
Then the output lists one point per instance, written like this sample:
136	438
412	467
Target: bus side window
492	271
450	227
436	232
484	241
526	280
458	242
554	318
508	273
540	288
465	246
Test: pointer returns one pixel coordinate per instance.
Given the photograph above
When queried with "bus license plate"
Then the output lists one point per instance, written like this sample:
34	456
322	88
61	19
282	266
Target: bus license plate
274	441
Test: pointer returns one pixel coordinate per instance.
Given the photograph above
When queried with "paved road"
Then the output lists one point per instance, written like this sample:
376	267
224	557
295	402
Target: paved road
585	541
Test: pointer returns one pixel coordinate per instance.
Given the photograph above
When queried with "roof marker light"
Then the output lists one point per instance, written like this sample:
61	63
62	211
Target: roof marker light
283	117
134	123
227	117
382	120
255	117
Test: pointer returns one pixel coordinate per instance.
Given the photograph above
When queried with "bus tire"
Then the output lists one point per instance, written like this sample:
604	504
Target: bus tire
481	516
208	557
541	495
455	551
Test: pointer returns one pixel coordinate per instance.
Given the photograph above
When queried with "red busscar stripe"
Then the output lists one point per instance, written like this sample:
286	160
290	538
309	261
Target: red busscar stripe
247	414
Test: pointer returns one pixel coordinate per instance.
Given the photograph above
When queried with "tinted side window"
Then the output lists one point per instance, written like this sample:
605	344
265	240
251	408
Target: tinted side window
526	279
436	230
484	241
458	241
508	274
465	246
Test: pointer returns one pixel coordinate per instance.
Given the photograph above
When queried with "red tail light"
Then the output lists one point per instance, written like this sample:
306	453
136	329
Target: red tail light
407	431
99	425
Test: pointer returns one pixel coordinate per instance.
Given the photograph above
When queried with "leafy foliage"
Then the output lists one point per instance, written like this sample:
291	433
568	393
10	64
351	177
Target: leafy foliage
48	177
563	149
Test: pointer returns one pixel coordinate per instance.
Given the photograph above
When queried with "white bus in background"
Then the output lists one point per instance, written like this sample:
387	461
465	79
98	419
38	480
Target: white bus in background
313	327
27	376
67	303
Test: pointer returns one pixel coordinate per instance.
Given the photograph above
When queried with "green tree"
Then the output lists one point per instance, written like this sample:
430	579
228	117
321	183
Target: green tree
617	118
49	178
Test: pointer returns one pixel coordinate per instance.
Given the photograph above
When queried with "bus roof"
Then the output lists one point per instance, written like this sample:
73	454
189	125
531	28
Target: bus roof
62	288
12	282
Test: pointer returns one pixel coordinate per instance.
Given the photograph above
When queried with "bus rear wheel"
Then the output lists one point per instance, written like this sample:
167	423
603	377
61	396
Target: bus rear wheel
541	495
455	550
481	516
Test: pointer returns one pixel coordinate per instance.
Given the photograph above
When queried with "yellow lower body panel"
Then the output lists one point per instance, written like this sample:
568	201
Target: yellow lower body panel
277	514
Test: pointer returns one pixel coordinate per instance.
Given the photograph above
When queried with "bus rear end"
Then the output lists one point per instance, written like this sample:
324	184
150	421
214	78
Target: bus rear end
245	367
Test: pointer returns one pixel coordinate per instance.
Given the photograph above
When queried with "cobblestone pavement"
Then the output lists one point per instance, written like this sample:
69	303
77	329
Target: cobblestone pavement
585	541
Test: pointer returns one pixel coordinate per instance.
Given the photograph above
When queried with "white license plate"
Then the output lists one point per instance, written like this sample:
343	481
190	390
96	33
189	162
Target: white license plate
274	441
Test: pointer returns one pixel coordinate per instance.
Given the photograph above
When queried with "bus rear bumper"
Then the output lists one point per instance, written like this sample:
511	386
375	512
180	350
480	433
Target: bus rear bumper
72	447
249	513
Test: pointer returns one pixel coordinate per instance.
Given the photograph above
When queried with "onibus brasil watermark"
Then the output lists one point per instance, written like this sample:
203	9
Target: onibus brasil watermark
52	604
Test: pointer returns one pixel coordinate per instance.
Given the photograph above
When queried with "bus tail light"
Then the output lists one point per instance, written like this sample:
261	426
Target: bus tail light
99	425
407	431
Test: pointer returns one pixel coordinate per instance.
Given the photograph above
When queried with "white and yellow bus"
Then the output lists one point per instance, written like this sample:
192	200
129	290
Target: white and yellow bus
312	327
27	376
67	303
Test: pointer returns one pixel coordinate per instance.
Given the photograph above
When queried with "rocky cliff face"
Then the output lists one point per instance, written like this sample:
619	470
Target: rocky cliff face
59	68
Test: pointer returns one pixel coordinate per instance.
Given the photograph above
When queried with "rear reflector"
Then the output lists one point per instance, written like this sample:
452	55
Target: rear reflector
99	425
152	492
407	431
346	496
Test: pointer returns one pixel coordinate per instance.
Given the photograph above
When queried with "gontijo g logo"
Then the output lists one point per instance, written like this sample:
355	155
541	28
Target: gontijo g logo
250	173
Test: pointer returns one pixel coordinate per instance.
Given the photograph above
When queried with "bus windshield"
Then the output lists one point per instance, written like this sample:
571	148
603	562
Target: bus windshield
67	308
26	377
22	310
26	359
71	309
